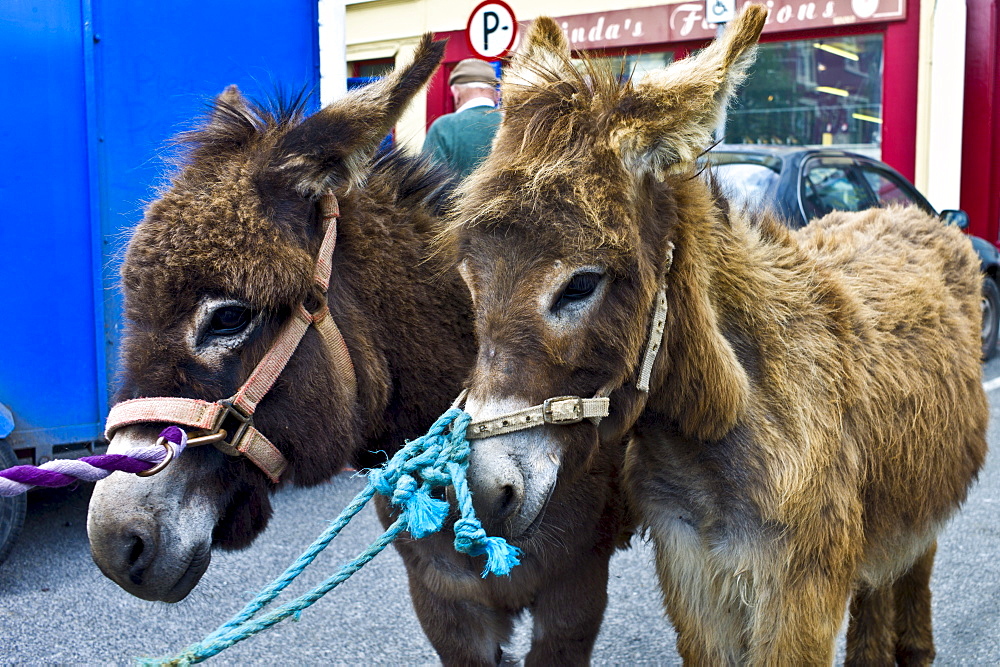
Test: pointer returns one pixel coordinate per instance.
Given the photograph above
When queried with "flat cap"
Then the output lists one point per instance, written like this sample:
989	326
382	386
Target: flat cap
473	70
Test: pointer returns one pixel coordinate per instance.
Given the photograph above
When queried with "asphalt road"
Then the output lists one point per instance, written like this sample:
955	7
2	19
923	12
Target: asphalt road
56	607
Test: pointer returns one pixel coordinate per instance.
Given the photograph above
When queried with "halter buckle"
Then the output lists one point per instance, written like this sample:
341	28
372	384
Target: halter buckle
562	410
235	421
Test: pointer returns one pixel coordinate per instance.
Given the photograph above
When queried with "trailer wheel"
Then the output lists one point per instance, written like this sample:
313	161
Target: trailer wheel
12	509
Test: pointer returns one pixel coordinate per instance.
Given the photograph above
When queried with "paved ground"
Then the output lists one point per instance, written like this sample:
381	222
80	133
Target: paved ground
56	607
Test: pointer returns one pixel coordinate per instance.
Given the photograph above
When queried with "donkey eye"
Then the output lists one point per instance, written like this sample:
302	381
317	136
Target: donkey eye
229	320
579	287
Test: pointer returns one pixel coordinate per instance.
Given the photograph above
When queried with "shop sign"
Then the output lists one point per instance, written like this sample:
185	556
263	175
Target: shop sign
686	21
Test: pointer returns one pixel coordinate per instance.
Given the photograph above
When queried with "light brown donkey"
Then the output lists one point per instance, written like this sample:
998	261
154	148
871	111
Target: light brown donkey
814	412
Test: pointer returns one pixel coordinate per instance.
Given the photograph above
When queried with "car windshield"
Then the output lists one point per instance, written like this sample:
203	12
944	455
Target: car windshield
745	184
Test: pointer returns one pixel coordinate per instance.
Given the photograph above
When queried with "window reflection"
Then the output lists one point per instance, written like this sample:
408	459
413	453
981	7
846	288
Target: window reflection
887	188
813	93
745	185
636	65
373	68
830	188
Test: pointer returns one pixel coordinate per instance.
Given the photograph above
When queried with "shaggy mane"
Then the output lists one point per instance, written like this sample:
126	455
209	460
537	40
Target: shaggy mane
553	136
417	180
561	109
229	127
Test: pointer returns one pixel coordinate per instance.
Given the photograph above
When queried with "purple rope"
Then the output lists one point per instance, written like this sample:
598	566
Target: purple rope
63	472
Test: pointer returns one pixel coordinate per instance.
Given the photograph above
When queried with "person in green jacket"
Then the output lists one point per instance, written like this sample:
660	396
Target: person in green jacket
463	138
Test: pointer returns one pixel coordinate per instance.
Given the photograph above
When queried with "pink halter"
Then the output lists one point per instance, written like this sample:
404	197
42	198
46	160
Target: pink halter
229	423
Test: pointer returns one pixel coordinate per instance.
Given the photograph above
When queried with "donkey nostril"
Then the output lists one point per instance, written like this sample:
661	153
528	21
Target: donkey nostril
136	569
506	502
137	548
141	549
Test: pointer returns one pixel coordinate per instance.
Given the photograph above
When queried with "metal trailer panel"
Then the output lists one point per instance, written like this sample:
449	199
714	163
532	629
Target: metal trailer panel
47	361
96	90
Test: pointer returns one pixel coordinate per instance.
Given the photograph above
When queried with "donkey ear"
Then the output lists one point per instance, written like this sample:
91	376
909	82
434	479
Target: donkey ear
331	148
227	104
544	52
667	120
231	97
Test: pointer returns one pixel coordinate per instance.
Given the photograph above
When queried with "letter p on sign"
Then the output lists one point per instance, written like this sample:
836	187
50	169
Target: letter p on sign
491	30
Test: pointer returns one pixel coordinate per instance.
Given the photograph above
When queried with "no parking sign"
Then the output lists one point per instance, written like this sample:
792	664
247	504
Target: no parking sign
491	30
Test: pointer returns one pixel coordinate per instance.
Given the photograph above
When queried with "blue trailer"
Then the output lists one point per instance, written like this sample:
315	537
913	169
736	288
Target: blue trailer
93	90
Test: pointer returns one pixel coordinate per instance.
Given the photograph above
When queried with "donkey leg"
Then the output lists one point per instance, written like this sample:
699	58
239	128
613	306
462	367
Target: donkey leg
449	600
462	631
914	634
567	614
871	632
795	619
709	624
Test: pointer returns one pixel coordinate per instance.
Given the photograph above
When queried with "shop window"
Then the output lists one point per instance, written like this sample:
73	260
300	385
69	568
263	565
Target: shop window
814	92
372	69
636	65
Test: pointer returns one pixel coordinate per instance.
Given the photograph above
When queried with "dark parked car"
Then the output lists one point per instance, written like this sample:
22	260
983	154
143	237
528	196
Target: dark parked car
805	183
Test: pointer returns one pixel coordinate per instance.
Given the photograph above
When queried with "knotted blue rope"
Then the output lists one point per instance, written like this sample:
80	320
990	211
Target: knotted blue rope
435	460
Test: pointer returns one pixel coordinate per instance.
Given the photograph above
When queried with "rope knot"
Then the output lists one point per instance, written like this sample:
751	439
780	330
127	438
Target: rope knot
381	480
470	536
471	539
436	476
177	436
424	514
406	486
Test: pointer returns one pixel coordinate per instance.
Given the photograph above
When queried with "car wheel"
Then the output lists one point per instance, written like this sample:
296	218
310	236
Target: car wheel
12	508
991	316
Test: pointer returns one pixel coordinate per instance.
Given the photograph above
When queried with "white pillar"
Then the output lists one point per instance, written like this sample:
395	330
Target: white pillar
332	50
947	101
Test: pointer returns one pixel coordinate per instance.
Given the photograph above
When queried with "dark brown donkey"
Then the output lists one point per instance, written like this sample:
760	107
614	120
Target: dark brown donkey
213	275
814	412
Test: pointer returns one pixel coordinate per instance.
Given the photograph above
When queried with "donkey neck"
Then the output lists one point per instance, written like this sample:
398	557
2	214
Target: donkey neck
733	280
405	321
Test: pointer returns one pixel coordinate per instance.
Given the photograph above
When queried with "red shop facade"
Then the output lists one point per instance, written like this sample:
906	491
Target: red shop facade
842	73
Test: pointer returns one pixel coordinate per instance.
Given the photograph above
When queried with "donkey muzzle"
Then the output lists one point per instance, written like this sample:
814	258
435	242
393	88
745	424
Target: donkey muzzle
511	475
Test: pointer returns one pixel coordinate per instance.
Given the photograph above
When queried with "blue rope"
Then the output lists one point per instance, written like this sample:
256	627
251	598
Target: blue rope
437	459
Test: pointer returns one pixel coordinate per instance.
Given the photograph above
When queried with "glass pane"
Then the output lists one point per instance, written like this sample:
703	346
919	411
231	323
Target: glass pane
635	64
886	188
813	93
828	188
374	68
643	63
745	185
